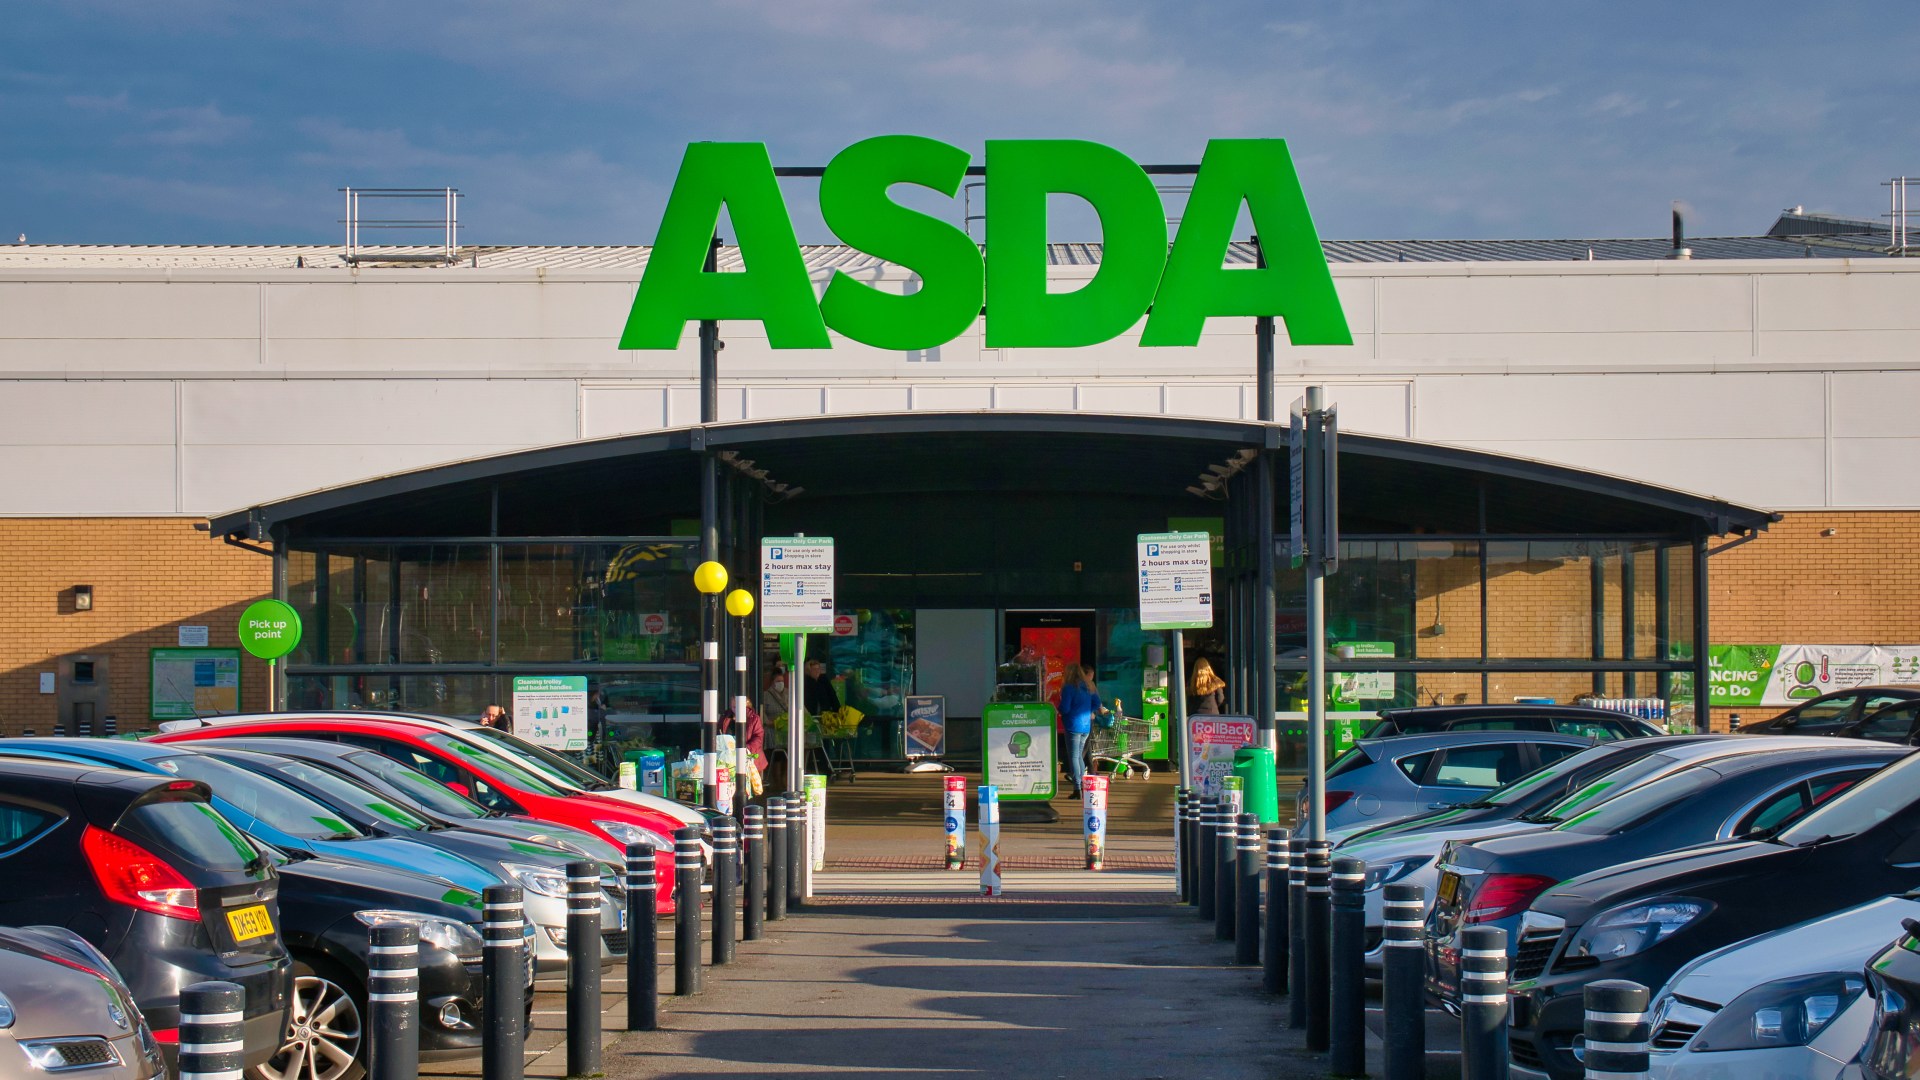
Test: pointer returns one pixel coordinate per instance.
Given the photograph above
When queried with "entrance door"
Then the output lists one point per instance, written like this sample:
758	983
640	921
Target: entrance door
1058	637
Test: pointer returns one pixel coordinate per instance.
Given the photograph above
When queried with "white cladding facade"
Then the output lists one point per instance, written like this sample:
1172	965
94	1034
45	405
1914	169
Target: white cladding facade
163	386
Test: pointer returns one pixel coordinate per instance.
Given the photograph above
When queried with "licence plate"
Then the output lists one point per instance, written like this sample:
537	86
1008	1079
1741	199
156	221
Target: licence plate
1449	888
623	917
248	923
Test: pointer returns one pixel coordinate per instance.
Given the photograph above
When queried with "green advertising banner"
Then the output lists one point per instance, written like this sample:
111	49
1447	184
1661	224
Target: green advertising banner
1017	750
1785	675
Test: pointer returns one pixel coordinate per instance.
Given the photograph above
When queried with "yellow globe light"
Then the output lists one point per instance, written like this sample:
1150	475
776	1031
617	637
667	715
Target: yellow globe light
710	577
740	603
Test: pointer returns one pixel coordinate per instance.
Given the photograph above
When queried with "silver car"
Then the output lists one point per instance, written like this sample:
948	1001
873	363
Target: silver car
64	1009
1382	780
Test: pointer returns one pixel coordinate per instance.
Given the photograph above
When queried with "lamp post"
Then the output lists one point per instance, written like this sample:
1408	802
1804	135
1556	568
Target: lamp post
710	578
740	605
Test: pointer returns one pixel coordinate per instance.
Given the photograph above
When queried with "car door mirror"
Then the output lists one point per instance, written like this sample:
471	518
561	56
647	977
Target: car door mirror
458	788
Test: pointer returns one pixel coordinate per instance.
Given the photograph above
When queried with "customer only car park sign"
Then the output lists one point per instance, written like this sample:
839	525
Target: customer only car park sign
1176	580
796	584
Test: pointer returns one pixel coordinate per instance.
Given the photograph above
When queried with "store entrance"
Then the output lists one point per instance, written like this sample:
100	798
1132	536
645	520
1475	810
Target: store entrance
1055	639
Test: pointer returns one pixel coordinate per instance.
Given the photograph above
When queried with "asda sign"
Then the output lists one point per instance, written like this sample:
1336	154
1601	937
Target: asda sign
1176	289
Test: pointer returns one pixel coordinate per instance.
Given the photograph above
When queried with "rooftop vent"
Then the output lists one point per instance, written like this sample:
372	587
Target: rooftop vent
1680	248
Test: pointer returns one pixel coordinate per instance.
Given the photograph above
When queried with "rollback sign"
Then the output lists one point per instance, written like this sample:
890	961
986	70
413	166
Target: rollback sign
1176	289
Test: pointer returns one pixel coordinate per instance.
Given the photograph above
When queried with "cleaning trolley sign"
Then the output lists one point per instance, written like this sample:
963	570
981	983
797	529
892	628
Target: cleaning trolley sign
1018	752
796	584
1214	741
551	710
1176	580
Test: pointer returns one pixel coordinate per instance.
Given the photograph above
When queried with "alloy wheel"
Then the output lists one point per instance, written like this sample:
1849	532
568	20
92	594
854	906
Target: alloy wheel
323	1034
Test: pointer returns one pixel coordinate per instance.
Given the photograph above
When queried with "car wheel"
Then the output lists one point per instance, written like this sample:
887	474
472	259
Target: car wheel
325	1033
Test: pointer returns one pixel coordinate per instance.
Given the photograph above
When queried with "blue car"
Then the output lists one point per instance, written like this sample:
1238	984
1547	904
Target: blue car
265	808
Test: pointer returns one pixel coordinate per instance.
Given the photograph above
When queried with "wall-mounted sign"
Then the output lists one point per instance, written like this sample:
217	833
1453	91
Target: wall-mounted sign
1182	287
192	637
1786	675
654	623
188	683
796	584
1176	580
551	710
1017	750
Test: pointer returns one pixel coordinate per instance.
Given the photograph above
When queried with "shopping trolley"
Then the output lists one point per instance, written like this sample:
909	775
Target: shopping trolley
1119	745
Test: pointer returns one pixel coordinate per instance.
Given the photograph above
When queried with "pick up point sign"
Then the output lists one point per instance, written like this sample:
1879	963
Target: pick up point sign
269	629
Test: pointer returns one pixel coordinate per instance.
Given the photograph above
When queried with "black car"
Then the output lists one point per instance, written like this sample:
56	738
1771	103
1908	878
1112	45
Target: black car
1838	713
1643	920
144	869
1581	720
1893	1042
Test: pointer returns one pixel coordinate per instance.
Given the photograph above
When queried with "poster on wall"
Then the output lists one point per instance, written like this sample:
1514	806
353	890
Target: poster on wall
551	710
1017	750
926	726
796	584
1214	740
1176	580
1352	686
193	682
1786	675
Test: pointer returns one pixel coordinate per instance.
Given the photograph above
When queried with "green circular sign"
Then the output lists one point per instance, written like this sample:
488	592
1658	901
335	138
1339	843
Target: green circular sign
269	629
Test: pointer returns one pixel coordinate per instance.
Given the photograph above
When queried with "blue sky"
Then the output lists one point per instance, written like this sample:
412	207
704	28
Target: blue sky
204	122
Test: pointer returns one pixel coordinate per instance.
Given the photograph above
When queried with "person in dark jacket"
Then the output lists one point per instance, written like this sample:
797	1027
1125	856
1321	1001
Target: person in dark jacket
820	694
1206	692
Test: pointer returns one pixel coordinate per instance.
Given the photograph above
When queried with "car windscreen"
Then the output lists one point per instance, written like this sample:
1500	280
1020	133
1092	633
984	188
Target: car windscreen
541	758
1866	804
1602	788
343	792
418	786
1545	775
191	830
1630	808
495	765
275	804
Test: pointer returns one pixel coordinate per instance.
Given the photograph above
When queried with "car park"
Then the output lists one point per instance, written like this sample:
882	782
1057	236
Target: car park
1383	780
1834	713
1583	720
144	869
64	1009
1643	920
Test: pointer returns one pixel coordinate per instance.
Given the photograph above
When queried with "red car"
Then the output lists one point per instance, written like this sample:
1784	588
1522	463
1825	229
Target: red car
493	779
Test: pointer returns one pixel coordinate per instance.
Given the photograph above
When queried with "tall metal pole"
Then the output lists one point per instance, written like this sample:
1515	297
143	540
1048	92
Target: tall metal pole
1180	710
797	716
1264	612
1313	481
709	542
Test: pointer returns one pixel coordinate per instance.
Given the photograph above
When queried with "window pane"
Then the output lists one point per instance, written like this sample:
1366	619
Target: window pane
448	695
645	711
1540	600
873	672
632	603
1478	766
303	596
359	614
445	604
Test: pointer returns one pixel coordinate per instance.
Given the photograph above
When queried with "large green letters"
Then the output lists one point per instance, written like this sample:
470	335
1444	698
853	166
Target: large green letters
854	202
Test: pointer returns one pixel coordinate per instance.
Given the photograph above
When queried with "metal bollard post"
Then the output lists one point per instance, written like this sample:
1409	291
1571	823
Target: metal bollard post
725	888
954	792
643	940
1180	852
799	826
212	1031
1617	1030
1204	846
753	850
503	971
1315	987
1297	931
1190	843
583	968
1403	958
776	858
1246	907
1348	1026
1226	874
1273	947
686	914
393	999
1483	1003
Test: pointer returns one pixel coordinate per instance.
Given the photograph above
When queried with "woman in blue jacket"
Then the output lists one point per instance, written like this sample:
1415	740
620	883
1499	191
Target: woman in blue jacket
1079	704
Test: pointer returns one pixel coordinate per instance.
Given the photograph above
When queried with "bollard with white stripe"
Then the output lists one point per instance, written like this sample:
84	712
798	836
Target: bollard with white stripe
686	914
503	970
1348	1023
799	833
1180	891
776	858
1617	1030
1246	907
1297	931
393	1000
1316	987
1226	870
1273	947
1403	960
955	792
212	1031
583	968
1190	844
643	940
753	852
1483	1003
725	888
1205	846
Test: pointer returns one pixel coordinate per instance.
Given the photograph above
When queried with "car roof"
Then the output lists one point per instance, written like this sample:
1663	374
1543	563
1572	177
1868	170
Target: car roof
124	749
1398	745
262	744
37	768
1441	713
1836	753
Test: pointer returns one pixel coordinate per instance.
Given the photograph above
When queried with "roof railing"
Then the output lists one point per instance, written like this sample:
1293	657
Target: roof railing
447	224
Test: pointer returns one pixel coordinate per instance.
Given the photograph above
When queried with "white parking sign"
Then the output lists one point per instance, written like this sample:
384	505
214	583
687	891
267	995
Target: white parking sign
1176	580
796	584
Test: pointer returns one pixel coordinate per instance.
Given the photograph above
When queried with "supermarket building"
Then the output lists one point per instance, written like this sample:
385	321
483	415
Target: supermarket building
459	477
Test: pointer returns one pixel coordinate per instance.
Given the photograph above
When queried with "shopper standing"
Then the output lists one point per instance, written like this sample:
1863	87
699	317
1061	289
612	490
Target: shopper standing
1206	692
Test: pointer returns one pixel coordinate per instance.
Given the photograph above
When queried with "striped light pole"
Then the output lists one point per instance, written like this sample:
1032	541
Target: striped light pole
710	578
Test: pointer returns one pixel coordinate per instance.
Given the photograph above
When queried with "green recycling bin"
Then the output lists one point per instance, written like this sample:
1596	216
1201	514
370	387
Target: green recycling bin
1254	766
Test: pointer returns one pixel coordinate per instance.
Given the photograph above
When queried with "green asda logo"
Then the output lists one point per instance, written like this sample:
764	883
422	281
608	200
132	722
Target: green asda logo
1177	289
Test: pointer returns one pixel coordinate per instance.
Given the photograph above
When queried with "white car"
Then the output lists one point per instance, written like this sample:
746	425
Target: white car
1787	1005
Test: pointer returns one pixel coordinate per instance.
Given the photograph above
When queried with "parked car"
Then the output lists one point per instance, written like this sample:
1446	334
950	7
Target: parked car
145	870
1582	720
1492	882
1892	1050
1834	713
539	869
1642	920
1383	780
1792	1002
63	1008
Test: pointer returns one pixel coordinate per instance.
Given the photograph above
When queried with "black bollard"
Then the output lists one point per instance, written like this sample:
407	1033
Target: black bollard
212	1031
1226	873
776	858
1297	931
503	971
726	888
1617	1029
799	850
1190	843
1403	961
1273	947
1348	1020
753	851
1246	906
393	999
686	914
1209	854
1315	987
583	968
643	940
1180	852
1483	1003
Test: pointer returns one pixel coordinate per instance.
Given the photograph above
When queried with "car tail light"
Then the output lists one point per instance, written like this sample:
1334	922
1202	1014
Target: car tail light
169	1036
130	874
1501	895
1336	799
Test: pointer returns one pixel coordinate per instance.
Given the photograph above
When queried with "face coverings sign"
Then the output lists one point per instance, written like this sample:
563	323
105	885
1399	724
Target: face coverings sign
1786	675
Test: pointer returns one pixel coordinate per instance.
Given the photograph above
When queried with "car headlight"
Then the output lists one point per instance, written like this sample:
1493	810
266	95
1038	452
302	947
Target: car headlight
6	1013
1379	874
1634	928
625	832
457	938
1789	1012
543	880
